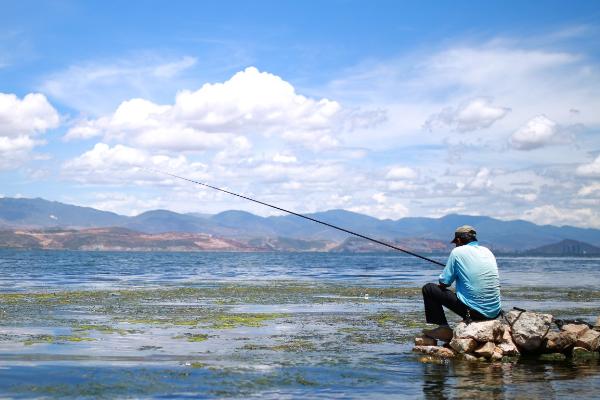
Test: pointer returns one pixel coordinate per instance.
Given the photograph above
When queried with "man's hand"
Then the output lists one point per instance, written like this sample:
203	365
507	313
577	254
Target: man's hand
442	286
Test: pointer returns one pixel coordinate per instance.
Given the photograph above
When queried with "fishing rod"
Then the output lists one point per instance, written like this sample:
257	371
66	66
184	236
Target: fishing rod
299	215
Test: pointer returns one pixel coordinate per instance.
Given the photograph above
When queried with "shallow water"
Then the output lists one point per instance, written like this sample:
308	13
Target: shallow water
239	325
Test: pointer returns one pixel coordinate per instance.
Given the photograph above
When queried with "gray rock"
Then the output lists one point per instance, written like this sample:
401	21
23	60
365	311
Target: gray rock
470	357
485	331
463	345
528	329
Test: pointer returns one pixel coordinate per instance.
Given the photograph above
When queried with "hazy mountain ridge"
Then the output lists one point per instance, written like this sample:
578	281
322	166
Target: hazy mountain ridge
418	232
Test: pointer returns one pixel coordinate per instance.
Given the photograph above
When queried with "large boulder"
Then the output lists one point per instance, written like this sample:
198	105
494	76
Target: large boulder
597	324
529	329
484	331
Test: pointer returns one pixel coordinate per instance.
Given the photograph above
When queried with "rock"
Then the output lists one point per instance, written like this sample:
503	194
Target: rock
463	345
435	351
486	350
575	329
559	342
589	340
470	357
497	354
509	348
597	324
528	329
484	331
425	341
506	336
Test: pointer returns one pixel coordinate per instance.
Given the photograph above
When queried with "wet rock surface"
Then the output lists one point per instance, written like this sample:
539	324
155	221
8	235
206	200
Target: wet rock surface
519	333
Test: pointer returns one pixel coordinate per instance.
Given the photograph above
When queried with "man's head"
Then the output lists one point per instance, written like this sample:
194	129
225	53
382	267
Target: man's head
463	235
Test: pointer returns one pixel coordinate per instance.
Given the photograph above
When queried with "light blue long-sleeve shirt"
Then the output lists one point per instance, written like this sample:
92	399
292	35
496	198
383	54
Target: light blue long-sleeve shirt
475	271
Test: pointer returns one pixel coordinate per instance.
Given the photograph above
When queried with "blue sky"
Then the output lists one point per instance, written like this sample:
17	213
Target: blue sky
388	108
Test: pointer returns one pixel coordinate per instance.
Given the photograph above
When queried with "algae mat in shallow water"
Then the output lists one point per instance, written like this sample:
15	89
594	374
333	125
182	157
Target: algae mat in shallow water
270	340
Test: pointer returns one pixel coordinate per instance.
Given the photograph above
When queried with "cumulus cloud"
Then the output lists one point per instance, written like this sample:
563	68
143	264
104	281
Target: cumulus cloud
25	117
537	132
126	165
22	121
217	115
473	115
591	170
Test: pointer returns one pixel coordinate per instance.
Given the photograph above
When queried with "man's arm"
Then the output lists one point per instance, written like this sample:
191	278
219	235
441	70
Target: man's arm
448	275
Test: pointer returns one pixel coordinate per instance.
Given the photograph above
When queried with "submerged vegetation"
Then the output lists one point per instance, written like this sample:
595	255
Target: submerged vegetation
280	333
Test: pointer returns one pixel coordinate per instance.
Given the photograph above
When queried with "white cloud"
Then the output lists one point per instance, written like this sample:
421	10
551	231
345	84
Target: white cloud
122	165
537	132
591	170
21	122
217	115
30	116
589	190
550	214
284	158
472	115
383	209
401	173
481	180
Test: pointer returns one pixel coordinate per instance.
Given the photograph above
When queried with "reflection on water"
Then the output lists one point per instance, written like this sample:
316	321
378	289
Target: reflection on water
211	325
525	378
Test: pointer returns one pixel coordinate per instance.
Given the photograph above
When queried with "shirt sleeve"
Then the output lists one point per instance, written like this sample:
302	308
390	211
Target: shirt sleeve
448	275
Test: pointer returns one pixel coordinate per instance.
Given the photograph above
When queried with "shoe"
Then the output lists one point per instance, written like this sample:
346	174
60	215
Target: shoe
442	333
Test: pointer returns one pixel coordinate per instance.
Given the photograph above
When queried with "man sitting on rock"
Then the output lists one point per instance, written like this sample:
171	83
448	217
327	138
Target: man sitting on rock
477	296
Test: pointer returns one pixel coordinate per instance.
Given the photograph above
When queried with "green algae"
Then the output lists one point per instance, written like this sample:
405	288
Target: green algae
50	339
105	329
230	321
194	337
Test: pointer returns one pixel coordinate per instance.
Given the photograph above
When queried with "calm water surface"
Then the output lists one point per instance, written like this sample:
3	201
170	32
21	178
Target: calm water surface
323	340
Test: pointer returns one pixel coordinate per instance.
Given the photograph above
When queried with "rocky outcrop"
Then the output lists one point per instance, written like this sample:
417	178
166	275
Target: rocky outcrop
519	332
529	329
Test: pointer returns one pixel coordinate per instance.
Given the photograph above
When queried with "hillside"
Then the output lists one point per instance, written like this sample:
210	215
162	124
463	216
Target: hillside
502	236
566	248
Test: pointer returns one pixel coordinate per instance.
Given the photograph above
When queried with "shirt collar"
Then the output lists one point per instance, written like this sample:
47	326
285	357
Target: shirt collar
475	243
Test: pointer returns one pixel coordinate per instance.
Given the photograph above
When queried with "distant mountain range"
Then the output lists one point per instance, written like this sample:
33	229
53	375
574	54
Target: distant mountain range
291	232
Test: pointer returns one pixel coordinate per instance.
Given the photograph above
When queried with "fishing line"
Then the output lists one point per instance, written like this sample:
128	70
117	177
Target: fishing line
299	215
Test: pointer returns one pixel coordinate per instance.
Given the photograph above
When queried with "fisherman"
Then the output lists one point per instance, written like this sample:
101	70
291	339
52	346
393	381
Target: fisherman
477	296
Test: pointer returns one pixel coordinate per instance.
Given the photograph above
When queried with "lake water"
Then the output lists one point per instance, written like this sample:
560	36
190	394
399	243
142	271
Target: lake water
269	325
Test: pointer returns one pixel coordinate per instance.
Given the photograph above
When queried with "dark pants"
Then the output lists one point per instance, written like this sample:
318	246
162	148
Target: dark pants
435	297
